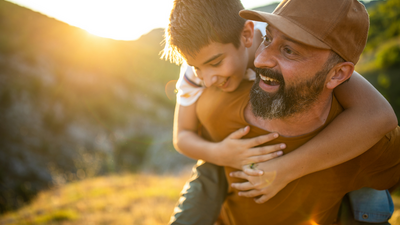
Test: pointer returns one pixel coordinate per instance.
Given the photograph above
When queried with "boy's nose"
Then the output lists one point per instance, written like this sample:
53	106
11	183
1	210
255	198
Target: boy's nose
210	81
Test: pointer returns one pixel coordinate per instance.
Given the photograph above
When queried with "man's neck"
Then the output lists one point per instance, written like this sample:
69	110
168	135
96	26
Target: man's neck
296	125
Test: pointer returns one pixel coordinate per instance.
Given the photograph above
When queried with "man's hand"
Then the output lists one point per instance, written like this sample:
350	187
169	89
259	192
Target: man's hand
236	152
262	187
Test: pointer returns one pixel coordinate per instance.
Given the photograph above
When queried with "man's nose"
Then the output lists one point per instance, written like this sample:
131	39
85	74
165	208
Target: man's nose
265	57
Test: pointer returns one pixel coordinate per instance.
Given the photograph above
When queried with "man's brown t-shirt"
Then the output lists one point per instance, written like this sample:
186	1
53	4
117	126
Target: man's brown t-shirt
312	199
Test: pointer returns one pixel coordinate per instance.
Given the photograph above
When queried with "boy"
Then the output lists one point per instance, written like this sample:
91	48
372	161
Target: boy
211	37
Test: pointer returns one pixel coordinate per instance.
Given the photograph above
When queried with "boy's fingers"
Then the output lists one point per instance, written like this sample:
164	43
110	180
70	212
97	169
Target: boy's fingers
263	199
239	133
265	157
250	194
266	149
253	172
262	139
239	174
242	186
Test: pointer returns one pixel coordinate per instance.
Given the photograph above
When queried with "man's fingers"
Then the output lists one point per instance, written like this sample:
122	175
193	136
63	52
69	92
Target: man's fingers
250	194
239	133
262	139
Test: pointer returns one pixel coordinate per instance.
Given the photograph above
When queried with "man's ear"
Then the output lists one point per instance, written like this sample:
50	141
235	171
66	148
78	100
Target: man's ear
339	74
248	34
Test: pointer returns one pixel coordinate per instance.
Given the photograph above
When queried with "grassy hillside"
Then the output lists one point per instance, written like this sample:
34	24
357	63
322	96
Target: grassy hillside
124	199
142	199
73	103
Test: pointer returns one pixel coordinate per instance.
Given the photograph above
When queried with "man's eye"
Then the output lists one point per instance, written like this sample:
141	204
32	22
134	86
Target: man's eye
288	51
266	40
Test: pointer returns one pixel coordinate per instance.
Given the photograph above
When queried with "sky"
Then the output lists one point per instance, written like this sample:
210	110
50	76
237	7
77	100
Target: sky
113	18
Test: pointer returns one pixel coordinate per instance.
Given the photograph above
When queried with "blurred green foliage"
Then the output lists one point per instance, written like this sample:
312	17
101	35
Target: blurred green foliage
384	23
131	153
388	57
380	61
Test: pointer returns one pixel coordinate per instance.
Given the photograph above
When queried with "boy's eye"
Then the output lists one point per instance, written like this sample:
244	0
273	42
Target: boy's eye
266	40
216	64
196	70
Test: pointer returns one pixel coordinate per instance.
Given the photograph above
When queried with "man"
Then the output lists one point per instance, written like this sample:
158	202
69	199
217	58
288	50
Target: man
310	48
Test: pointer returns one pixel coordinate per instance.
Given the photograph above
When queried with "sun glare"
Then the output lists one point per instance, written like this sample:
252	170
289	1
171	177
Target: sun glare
119	19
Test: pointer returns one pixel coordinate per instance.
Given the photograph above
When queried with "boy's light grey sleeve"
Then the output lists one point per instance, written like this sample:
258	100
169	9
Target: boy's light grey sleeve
202	196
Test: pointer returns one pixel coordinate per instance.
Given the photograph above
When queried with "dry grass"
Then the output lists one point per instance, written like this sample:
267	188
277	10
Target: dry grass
395	220
125	199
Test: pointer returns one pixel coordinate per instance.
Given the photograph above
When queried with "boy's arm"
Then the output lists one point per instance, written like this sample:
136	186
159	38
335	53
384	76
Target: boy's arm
366	119
232	151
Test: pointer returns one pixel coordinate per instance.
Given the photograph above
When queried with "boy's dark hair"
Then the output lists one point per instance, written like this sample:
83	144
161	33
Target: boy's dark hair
194	24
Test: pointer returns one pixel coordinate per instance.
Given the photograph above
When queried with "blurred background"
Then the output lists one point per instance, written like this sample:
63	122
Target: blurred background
86	108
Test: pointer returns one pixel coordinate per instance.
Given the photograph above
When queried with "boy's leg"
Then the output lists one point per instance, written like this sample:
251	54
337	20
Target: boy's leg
202	196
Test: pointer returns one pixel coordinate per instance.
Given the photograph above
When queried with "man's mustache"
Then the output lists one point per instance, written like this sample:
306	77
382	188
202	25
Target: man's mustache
270	73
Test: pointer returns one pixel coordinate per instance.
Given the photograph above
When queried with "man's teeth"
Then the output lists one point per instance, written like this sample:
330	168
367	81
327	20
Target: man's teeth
265	78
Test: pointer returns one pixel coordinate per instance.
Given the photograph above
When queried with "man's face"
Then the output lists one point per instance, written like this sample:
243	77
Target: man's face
290	76
220	65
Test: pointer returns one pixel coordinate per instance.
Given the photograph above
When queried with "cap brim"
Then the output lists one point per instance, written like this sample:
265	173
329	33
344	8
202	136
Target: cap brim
285	26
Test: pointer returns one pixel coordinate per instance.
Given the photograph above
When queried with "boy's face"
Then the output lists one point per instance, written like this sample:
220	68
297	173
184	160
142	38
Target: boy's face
220	65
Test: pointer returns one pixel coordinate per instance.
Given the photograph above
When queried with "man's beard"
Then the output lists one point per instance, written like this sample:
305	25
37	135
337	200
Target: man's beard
288	100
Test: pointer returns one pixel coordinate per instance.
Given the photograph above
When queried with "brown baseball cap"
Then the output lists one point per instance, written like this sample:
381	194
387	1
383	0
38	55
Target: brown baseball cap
339	25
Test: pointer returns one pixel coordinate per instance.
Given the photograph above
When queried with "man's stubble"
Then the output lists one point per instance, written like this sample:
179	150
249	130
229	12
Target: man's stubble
289	100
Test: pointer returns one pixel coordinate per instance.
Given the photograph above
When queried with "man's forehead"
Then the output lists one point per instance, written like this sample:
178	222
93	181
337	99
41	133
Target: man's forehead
272	30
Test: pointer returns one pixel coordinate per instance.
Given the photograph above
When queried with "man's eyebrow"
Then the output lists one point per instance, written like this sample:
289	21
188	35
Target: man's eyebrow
292	40
285	37
212	58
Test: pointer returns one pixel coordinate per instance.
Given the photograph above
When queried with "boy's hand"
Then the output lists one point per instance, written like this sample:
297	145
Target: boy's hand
236	152
262	187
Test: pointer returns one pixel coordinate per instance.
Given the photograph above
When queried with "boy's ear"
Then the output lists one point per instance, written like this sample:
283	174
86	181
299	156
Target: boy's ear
339	74
248	34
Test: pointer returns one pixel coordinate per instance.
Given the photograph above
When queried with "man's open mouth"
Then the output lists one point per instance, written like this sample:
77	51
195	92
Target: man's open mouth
269	81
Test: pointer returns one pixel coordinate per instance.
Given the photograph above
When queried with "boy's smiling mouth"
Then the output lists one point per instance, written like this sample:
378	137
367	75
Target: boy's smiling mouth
223	82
